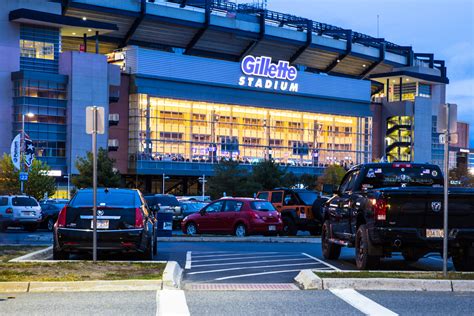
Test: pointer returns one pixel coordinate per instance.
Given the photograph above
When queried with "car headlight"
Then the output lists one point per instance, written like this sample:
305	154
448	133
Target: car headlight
185	219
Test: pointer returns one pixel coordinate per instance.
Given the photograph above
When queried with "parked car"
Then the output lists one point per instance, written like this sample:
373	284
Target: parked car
124	224
238	216
381	208
19	210
296	208
189	207
165	203
50	211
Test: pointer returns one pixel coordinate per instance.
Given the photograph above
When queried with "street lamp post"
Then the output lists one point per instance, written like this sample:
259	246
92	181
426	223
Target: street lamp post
22	144
164	178
203	181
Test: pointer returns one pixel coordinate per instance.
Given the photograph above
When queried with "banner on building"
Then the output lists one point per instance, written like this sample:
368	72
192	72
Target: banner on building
29	151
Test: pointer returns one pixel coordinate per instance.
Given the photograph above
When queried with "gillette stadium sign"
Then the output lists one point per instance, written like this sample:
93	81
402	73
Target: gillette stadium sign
261	72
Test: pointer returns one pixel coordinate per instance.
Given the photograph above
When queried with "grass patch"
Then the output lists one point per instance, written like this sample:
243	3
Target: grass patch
8	253
72	271
398	275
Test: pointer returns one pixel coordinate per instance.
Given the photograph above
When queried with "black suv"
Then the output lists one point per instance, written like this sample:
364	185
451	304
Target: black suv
124	224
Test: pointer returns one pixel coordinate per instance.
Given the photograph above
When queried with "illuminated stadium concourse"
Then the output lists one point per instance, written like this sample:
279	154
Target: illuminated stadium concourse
186	84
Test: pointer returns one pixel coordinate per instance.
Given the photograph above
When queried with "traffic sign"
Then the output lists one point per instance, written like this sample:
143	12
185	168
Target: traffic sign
441	126
23	176
98	112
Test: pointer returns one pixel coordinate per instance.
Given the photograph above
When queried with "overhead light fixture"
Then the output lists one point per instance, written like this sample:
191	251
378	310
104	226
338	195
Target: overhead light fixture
84	18
407	79
393	80
364	65
73	33
89	30
338	61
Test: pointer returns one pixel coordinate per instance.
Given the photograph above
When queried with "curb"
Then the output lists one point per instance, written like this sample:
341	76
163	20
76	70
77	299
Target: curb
34	255
81	286
312	240
307	280
172	276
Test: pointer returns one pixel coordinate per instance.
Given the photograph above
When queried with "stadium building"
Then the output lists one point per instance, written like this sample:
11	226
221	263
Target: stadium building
186	84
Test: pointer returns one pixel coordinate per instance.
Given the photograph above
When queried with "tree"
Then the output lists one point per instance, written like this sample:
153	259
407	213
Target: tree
229	178
106	176
37	185
268	175
332	175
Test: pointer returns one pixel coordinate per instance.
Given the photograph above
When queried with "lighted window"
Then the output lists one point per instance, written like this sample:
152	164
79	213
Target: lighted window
34	49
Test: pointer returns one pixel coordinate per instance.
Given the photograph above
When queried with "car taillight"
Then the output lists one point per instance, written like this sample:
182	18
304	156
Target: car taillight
138	218
61	222
256	216
9	210
380	209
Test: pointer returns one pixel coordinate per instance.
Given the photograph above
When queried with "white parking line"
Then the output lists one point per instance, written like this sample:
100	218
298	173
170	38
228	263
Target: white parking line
254	274
236	254
188	260
321	261
362	303
242	258
171	302
246	262
256	267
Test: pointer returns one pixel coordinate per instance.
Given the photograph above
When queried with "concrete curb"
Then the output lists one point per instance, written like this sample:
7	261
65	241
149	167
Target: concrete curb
34	255
307	280
172	276
81	286
312	240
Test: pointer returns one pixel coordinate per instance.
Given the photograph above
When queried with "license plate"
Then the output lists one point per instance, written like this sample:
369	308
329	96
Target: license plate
28	213
272	228
302	215
101	224
434	233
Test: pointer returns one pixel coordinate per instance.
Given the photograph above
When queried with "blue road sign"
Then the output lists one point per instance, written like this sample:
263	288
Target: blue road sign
23	176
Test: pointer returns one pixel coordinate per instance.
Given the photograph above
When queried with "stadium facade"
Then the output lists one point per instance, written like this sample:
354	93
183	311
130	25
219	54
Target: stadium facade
186	84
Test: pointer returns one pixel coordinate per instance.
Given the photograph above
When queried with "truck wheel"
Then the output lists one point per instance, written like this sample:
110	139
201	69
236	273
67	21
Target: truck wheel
363	260
330	251
463	262
289	226
410	256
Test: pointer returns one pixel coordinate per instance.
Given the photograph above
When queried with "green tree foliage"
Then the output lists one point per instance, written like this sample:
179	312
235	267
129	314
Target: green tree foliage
38	183
332	175
268	175
229	178
106	176
462	175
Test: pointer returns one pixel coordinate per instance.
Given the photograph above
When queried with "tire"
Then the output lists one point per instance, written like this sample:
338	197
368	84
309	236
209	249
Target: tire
463	262
330	251
191	229
289	226
31	228
240	230
315	231
50	224
3	227
364	261
148	254
410	256
59	255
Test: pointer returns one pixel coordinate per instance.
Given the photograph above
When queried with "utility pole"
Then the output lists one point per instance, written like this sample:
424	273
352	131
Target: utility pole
445	187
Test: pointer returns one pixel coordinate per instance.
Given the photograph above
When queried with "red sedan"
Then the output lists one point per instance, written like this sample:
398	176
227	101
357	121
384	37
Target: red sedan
238	216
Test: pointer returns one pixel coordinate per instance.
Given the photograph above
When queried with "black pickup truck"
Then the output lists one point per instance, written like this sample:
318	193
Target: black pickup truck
381	208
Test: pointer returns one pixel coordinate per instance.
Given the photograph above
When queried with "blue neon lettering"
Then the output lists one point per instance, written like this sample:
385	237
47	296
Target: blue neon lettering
263	67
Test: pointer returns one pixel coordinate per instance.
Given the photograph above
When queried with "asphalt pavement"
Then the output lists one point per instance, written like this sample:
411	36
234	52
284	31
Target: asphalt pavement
344	302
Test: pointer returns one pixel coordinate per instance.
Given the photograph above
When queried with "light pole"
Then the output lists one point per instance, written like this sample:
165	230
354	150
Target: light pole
203	181
22	144
68	189
164	178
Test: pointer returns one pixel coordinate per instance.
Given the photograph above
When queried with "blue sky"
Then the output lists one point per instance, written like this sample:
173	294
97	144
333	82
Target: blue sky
442	27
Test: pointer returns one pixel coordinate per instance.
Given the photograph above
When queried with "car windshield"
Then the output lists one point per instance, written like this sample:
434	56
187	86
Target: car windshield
111	198
402	176
308	197
262	206
24	201
167	200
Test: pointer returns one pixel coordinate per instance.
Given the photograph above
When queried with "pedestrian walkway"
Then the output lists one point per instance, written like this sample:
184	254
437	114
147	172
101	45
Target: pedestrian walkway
248	267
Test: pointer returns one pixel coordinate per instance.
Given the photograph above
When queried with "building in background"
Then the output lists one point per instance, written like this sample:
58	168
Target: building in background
186	85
